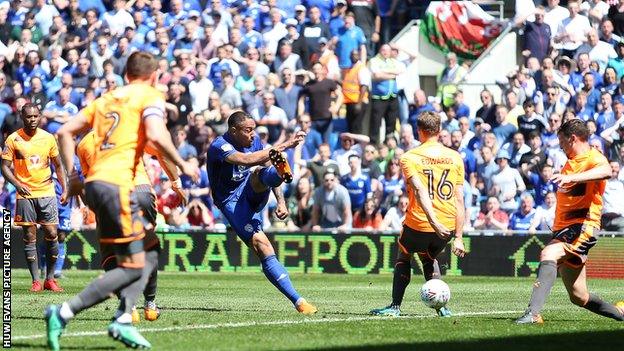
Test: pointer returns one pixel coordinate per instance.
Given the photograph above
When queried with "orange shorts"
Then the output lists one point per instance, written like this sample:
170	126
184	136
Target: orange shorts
578	239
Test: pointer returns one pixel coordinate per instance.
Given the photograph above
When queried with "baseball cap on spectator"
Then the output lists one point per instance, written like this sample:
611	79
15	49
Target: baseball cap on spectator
330	170
503	154
341	2
322	40
262	130
291	22
5	5
479	120
300	8
193	13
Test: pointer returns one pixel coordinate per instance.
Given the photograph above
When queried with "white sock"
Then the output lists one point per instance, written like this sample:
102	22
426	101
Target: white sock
125	318
65	312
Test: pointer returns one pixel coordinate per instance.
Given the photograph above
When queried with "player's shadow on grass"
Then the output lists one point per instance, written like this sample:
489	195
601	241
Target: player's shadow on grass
586	340
196	309
81	318
45	347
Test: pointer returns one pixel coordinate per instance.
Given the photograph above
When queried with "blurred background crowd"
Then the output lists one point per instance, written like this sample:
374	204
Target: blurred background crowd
328	67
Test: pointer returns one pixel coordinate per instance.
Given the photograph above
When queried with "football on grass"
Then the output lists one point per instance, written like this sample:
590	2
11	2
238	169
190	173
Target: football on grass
435	293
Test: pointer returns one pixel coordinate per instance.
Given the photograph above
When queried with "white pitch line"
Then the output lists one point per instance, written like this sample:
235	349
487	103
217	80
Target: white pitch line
255	324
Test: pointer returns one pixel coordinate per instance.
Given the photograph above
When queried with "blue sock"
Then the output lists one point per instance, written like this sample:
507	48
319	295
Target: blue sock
270	178
278	276
60	260
41	256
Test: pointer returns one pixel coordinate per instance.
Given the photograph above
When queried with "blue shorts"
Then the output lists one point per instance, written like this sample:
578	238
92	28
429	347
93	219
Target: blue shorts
64	211
244	210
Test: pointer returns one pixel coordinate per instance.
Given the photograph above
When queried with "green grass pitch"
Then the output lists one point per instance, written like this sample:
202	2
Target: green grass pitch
219	311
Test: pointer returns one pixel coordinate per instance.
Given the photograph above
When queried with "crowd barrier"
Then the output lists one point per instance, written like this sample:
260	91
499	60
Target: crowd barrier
357	252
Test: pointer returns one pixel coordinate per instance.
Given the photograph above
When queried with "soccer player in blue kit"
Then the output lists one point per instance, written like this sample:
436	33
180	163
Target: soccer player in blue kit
240	181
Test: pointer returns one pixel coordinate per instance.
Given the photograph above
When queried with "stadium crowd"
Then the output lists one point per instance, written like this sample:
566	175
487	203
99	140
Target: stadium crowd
324	67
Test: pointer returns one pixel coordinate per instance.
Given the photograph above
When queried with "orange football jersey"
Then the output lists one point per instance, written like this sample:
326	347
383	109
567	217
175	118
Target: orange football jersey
441	171
119	135
581	203
31	157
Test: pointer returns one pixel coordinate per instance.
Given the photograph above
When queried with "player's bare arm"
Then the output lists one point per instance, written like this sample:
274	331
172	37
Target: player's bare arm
171	170
425	202
7	173
261	157
599	172
67	145
282	210
458	244
62	177
157	133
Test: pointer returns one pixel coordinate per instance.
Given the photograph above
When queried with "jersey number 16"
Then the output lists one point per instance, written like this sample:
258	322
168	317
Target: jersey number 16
444	189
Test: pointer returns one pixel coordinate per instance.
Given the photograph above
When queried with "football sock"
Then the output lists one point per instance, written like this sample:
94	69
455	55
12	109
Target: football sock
149	293
546	275
130	294
278	276
598	306
269	177
103	287
402	276
30	250
52	250
41	255
431	269
60	260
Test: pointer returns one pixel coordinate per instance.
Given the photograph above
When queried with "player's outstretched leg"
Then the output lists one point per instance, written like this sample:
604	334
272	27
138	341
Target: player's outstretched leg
278	275
400	281
99	290
281	166
546	275
575	281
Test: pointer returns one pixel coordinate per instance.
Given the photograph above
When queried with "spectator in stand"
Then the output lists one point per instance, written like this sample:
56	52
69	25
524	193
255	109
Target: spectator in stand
370	166
384	70
337	18
358	184
545	216
185	149
229	94
200	88
464	128
271	116
287	94
275	32
506	182
606	117
313	139
597	50
492	217
286	59
486	169
461	109
616	15
81	76
367	17
182	103
328	59
198	215
452	74
36	94
332	205
253	99
537	35
614	139
516	148
572	30
617	63
348	39
408	141
504	129
347	148
315	29
59	112
613	208
355	83
487	111
321	164
301	203
368	217
299	45
541	184
531	121
321	108
522	219
393	220
581	109
470	161
535	159
391	184
610	82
